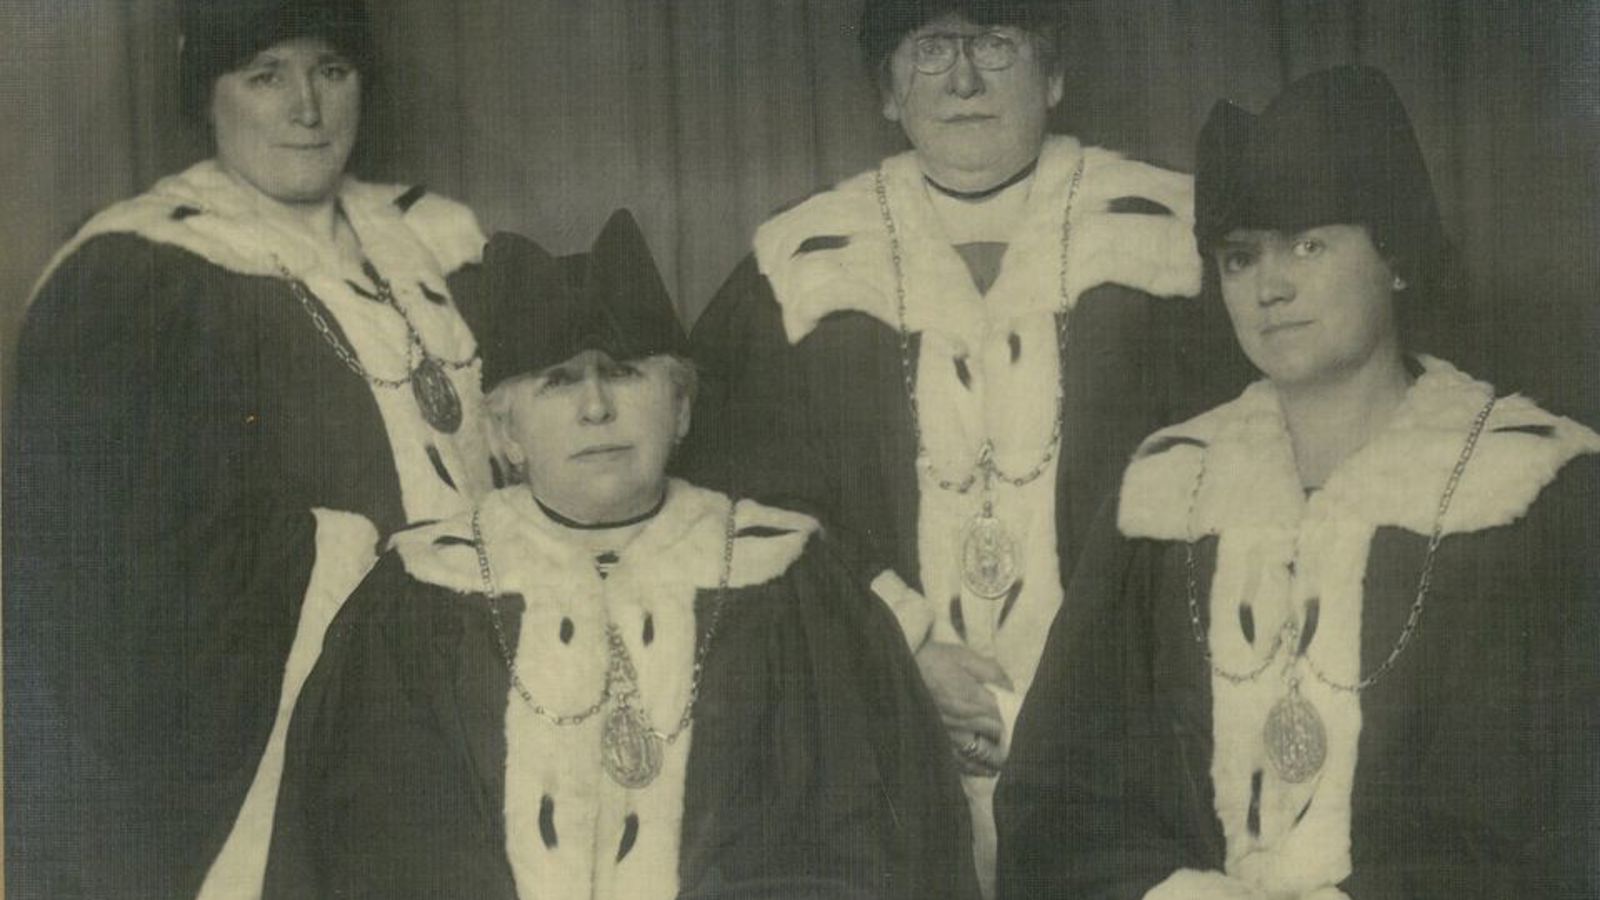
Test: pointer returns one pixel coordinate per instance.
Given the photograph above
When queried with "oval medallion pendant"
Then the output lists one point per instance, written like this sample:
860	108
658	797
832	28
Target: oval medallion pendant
629	750
988	557
436	397
1296	742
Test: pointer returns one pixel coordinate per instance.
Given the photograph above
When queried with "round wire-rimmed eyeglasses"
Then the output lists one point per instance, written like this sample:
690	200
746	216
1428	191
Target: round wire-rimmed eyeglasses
936	54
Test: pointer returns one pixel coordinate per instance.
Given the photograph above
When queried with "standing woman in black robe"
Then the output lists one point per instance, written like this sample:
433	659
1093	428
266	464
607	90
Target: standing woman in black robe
229	389
948	358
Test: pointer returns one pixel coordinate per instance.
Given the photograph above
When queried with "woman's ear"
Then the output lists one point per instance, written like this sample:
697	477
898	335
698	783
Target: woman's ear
1399	268
502	443
684	413
1399	265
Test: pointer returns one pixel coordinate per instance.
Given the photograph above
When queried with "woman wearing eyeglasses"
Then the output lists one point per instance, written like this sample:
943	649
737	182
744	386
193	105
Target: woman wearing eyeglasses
948	358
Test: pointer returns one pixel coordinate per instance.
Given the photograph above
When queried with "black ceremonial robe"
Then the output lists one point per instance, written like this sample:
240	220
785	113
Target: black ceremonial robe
1468	770
809	360
815	765
189	467
803	398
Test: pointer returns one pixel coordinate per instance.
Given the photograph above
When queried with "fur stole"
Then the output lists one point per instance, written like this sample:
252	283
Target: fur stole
831	253
205	211
414	240
1277	549
571	831
1395	480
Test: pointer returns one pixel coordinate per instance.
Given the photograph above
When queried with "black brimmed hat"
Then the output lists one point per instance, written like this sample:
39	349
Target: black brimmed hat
1336	147
885	23
219	36
533	310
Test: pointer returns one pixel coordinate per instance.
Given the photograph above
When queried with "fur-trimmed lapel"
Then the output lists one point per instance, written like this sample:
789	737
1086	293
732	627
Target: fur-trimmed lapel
831	253
206	212
1396	480
571	831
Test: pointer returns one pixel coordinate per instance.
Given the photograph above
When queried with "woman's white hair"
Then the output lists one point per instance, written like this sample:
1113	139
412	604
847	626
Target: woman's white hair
497	404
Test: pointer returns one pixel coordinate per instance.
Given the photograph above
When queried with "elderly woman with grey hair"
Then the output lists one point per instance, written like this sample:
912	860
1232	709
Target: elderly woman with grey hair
604	682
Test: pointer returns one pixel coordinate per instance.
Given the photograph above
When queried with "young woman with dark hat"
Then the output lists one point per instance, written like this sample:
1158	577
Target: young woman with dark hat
948	358
1338	637
229	389
604	682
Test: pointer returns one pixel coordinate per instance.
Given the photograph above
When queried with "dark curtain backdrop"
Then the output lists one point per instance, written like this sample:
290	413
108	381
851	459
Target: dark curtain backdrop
706	115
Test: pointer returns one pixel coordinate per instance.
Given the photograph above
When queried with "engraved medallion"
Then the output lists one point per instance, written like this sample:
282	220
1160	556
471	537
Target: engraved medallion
629	750
1296	742
436	397
988	557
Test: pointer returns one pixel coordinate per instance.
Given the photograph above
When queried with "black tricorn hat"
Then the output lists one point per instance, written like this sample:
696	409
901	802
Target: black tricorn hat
222	35
1336	147
885	23
531	310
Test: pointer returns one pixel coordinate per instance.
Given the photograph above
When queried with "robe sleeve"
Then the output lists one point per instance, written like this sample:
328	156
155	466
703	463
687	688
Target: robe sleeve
834	776
751	437
1508	802
155	573
1095	799
394	771
756	432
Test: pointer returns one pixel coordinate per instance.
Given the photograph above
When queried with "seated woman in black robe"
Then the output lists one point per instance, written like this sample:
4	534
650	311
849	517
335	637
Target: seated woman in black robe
604	682
1341	637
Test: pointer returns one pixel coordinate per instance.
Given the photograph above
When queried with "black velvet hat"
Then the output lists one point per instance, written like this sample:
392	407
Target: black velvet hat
1336	147
884	23
533	310
222	35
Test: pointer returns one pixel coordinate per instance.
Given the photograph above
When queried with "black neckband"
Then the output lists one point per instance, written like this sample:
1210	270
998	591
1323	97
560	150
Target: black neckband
986	193
565	522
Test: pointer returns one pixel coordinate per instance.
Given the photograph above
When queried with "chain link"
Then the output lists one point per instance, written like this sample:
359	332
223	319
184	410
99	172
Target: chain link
298	288
386	294
619	663
486	573
1290	632
347	356
985	466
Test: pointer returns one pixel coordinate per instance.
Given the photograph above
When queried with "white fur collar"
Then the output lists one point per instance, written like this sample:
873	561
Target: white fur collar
1396	480
683	542
831	253
237	230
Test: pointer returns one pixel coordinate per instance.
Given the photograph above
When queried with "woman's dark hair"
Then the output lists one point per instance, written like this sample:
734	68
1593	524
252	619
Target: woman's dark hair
1336	146
219	36
885	23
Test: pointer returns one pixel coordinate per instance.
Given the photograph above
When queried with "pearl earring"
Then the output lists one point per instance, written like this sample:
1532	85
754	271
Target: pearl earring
1399	283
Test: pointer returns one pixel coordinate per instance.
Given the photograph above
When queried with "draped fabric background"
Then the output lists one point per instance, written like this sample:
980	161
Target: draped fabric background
705	116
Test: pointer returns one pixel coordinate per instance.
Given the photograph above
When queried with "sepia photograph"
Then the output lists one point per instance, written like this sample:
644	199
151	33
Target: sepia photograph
800	449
